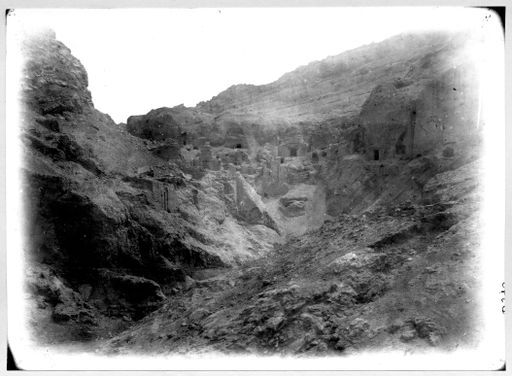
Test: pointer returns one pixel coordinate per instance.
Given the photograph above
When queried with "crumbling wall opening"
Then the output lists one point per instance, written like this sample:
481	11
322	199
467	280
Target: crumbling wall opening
238	146
376	154
293	152
358	142
400	148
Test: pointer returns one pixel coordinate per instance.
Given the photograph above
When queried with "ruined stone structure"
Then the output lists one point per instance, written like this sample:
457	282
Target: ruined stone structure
205	156
234	156
165	195
393	139
292	149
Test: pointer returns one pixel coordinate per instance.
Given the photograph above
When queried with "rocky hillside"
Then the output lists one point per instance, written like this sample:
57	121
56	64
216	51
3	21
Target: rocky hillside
338	86
331	210
398	277
112	229
343	90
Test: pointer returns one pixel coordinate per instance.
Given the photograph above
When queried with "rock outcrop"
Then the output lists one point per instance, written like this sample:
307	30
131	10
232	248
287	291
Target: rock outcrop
113	224
56	81
157	125
249	206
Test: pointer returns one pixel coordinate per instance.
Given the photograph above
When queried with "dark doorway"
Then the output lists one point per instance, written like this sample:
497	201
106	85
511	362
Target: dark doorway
399	146
376	155
358	142
314	157
293	152
238	146
400	149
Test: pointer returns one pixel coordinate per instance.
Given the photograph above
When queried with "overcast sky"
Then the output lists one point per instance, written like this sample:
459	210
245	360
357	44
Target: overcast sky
138	60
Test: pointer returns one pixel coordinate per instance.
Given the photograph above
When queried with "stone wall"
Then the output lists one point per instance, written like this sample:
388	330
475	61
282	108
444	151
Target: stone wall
165	195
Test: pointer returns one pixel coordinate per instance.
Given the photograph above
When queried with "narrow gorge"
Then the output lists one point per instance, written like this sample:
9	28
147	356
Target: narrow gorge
332	211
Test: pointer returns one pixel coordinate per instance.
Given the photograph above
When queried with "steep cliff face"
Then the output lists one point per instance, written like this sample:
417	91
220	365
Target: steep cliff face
337	87
408	96
112	228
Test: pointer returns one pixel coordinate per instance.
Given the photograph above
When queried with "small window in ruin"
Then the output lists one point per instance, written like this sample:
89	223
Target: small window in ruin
293	152
238	146
376	155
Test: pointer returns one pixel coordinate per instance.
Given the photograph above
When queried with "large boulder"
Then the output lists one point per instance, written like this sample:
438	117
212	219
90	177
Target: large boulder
299	201
293	206
156	125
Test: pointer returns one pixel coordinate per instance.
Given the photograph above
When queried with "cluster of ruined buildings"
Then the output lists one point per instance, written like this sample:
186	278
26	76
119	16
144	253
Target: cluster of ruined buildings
208	157
273	163
372	141
381	143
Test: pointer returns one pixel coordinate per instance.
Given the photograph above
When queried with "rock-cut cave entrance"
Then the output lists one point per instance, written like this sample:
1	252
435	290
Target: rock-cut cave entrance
400	148
376	154
238	146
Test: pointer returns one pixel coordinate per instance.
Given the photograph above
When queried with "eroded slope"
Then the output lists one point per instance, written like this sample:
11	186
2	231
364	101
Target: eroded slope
394	278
